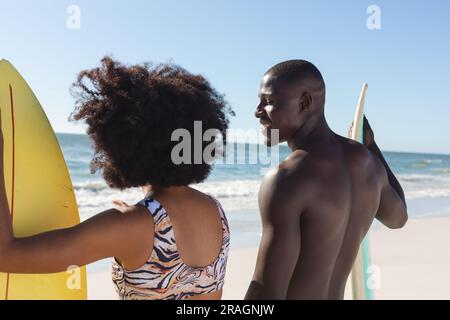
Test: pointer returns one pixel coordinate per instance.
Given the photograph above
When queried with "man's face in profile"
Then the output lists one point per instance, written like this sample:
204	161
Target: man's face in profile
278	109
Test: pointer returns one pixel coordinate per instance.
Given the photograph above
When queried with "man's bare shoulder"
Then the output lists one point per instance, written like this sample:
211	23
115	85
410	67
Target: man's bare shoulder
361	158
293	176
293	166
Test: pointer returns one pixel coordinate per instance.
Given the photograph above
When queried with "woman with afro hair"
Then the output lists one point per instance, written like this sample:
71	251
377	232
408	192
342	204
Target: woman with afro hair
173	243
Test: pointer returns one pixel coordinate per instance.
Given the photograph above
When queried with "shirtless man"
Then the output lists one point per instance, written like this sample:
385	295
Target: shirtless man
318	204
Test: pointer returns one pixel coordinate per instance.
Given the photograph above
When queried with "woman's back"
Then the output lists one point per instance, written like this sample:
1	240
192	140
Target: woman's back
188	249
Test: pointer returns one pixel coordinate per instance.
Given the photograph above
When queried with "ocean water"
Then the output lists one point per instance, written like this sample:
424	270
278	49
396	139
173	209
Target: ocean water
425	179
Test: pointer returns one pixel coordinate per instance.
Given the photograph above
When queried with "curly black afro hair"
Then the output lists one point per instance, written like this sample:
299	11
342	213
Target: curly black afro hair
131	112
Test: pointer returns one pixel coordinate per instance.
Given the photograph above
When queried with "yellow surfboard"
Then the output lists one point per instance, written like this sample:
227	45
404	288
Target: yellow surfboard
38	186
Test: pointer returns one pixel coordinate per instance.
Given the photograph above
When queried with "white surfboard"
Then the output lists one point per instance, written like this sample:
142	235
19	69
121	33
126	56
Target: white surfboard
359	275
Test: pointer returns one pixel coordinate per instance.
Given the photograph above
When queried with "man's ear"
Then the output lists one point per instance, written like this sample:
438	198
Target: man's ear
305	101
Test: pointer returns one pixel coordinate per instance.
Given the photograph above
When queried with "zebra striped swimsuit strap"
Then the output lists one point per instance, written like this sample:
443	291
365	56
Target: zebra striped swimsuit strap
163	227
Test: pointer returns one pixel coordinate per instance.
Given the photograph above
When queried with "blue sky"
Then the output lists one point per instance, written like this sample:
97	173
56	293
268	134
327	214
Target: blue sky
232	43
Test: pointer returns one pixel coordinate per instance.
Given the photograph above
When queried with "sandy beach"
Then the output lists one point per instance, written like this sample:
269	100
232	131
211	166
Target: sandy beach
414	263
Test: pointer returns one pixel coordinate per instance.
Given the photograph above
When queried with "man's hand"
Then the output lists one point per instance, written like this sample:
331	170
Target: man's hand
368	135
392	210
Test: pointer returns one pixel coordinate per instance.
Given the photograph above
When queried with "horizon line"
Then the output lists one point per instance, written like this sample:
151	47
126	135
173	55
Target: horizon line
391	151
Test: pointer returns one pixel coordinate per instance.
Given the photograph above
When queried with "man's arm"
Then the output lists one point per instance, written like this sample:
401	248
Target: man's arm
279	250
392	210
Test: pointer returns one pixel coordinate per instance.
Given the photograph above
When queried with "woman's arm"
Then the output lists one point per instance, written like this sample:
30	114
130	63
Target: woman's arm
108	234
112	233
